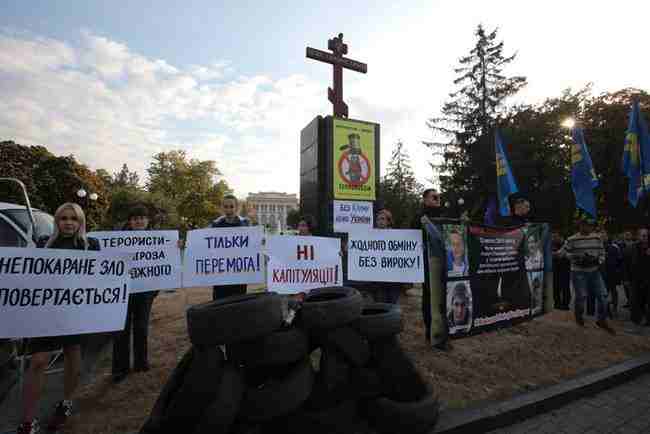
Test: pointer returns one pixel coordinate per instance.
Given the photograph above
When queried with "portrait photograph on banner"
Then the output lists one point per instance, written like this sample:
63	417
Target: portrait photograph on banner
459	306
456	241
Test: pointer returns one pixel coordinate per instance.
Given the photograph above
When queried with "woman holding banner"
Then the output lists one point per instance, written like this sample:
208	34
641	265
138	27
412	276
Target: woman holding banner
137	317
385	292
69	233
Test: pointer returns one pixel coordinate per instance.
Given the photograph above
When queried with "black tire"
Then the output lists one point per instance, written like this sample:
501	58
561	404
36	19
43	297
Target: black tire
379	321
401	380
234	319
278	397
339	419
220	414
334	369
390	417
198	390
349	343
155	421
330	308
332	383
282	347
366	383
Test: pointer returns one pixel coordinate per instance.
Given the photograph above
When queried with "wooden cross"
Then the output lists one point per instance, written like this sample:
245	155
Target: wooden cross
339	62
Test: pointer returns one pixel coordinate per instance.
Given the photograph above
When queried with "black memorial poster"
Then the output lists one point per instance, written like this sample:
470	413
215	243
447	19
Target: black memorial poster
494	276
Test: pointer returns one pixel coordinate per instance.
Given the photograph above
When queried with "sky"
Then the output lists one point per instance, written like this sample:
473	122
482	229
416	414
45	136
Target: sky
116	82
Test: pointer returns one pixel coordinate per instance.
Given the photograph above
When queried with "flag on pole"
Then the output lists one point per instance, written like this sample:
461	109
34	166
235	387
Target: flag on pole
636	155
583	175
506	184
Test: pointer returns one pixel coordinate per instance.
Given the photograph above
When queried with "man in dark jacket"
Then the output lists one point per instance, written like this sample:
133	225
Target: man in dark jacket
561	274
431	209
612	270
520	211
637	263
229	219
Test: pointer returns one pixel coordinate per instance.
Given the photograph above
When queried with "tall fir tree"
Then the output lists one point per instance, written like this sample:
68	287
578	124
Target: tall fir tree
469	116
400	189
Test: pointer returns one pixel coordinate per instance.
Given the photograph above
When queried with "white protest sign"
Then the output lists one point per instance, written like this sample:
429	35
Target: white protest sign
298	264
350	215
156	258
386	255
224	256
52	292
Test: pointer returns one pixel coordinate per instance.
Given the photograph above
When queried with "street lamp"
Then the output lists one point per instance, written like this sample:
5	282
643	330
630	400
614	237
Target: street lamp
569	123
81	193
461	202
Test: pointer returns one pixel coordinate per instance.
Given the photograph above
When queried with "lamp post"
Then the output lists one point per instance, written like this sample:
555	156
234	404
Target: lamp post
86	199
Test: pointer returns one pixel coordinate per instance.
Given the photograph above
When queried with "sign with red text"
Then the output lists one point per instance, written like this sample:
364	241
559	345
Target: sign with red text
298	264
155	257
224	256
386	255
54	292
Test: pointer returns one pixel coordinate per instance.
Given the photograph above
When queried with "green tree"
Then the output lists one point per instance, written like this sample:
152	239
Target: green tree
399	188
468	118
293	217
189	184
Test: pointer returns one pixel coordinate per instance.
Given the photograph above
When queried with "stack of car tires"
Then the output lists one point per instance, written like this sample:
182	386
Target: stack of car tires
338	368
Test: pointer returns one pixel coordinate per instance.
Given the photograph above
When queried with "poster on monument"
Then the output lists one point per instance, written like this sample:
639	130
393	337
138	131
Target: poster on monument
354	160
494	276
352	216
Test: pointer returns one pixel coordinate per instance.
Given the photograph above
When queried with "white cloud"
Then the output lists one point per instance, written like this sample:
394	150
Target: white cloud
110	106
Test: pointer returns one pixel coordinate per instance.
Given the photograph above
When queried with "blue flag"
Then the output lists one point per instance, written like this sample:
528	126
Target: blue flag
506	184
636	155
583	175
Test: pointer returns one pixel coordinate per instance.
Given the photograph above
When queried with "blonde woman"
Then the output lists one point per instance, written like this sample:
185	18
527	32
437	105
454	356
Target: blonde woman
69	233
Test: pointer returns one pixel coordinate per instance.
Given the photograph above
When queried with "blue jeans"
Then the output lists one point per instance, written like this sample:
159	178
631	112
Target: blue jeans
589	282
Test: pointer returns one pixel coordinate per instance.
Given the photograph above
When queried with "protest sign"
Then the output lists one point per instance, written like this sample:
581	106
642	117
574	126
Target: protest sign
381	255
155	257
493	276
223	256
298	264
351	216
52	292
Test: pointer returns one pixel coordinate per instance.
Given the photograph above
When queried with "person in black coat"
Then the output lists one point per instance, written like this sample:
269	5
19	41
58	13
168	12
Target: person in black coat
69	233
229	219
430	208
561	274
137	317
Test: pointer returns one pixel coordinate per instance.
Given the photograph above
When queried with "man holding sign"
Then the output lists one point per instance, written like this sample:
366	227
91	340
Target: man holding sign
54	296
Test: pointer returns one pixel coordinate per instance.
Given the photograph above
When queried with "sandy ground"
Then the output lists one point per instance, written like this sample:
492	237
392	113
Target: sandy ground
481	368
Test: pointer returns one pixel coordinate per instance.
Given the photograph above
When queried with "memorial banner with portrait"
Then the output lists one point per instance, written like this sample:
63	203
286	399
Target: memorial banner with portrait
354	160
493	276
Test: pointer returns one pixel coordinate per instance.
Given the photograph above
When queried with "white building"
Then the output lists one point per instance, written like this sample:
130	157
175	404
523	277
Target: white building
272	208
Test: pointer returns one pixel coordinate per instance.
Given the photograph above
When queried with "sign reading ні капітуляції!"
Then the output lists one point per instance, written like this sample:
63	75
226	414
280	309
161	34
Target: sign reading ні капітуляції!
224	256
350	215
155	257
494	275
298	264
45	284
354	160
386	255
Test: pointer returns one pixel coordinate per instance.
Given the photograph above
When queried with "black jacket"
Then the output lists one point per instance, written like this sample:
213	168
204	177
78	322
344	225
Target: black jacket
221	222
93	244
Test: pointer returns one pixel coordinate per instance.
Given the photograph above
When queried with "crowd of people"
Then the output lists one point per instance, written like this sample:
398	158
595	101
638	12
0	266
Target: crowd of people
600	269
595	265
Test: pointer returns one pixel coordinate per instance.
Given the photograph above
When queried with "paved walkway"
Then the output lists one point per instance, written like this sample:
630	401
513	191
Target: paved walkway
623	409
